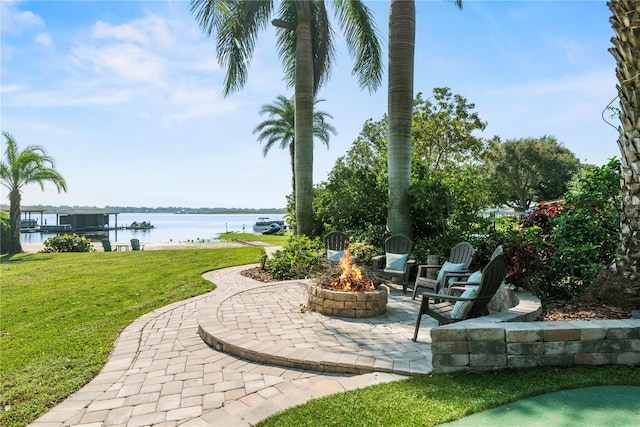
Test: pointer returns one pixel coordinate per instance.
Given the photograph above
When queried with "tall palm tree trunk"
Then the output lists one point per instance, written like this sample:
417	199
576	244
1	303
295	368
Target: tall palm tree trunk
400	107
14	221
620	282
304	121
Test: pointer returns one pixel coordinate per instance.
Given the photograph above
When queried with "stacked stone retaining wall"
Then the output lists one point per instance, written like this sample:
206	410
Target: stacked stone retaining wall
504	340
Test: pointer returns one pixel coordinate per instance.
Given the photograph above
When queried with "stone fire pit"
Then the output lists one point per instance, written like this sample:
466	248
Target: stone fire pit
347	303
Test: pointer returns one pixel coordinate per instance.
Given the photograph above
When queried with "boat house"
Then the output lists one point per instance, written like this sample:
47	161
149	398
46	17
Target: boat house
87	219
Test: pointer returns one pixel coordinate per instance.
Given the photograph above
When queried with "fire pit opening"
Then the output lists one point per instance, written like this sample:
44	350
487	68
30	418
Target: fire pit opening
345	290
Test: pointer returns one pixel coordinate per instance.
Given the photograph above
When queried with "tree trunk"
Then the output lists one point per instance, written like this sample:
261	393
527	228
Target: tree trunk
304	121
620	282
14	221
400	108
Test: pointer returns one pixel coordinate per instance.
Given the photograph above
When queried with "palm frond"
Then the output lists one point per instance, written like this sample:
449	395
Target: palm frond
361	35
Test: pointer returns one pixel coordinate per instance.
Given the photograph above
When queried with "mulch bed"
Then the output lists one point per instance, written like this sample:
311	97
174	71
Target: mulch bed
551	310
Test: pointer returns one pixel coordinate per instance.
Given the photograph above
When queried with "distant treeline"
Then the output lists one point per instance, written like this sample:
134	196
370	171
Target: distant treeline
172	209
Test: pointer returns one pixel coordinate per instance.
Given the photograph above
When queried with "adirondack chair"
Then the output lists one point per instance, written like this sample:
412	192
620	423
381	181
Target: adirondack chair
136	246
457	265
473	301
472	278
335	244
395	263
106	245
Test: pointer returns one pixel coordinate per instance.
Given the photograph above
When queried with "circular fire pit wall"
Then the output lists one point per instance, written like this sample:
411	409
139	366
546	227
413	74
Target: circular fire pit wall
347	304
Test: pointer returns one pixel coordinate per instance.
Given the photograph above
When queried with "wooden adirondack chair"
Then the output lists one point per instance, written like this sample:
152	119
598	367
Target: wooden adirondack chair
335	244
457	265
106	245
473	301
136	246
395	263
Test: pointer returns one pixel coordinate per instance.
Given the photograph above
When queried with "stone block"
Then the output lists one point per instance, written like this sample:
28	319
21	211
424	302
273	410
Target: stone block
450	360
560	331
490	347
356	305
589	330
593	358
450	347
522	361
448	333
492	360
524	348
556	360
344	296
555	347
628	358
333	304
486	333
342	312
523	332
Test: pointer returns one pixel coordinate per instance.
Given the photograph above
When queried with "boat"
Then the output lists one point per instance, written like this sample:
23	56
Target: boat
263	224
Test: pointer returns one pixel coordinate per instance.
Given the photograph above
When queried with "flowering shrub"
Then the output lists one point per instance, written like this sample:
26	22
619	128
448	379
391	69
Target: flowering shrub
68	243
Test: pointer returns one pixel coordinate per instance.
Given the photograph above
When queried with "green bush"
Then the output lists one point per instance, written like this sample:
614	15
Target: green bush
298	259
363	252
5	232
68	243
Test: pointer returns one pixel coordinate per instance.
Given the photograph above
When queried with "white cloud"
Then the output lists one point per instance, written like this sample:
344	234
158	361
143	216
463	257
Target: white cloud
44	39
15	21
150	31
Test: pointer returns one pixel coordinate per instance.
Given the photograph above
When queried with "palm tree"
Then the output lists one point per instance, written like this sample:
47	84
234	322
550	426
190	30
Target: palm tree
305	48
19	168
620	282
402	22
280	128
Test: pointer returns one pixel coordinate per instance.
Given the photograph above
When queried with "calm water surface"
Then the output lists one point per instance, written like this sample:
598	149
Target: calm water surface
167	227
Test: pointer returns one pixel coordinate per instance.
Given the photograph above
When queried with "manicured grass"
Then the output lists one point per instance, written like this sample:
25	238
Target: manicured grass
429	400
270	239
62	312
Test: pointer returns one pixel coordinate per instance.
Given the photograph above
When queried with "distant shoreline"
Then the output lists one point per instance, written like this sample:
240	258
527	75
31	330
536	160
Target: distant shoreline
153	246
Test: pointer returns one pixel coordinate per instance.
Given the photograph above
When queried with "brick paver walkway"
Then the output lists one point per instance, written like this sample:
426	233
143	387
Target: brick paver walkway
161	372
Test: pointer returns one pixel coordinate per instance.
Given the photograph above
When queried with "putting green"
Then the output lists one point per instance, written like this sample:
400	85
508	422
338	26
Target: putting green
617	406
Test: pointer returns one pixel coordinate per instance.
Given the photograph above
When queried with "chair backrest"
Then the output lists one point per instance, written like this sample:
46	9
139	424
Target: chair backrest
336	241
135	244
462	253
106	245
492	277
398	244
497	251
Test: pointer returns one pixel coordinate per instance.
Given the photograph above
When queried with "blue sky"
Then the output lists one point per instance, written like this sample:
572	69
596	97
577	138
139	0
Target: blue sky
127	95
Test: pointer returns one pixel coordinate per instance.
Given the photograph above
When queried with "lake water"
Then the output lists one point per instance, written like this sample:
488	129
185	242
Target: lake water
167	227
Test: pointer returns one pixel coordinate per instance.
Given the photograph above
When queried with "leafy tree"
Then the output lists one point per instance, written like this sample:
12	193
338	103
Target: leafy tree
5	232
528	169
584	234
443	127
351	199
280	128
304	45
20	168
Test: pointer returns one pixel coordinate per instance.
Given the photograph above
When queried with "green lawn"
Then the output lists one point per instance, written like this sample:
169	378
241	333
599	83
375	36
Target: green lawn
60	314
270	239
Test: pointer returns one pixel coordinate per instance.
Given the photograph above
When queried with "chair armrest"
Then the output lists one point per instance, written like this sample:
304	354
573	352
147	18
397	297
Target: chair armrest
376	262
451	297
422	269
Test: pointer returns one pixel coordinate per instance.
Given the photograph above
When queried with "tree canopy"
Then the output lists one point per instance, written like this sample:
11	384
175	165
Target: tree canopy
525	170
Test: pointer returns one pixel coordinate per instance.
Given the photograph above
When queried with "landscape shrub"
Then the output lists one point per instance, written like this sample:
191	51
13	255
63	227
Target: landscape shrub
5	232
298	259
68	243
